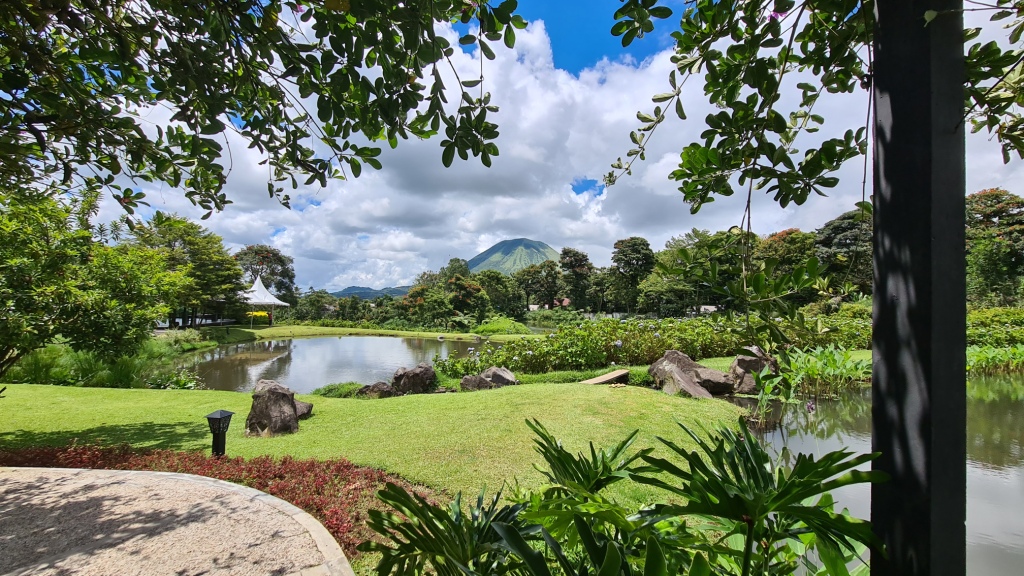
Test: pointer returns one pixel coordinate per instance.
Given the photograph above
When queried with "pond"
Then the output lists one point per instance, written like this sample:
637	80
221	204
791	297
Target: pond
995	464
995	424
306	364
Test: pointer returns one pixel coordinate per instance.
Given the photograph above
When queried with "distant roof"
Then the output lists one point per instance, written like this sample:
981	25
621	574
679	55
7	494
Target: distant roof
258	295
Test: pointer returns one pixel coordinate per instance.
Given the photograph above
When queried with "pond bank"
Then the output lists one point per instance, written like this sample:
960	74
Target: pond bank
236	334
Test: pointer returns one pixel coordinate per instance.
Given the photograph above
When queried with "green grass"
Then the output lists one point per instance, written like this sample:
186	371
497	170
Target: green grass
234	334
447	441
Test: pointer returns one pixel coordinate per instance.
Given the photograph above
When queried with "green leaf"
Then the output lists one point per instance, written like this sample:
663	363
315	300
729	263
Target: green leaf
534	560
488	53
699	566
679	109
660	12
448	155
654	564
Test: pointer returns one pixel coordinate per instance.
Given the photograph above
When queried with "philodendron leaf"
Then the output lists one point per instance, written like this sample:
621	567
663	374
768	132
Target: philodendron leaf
699	566
655	563
514	540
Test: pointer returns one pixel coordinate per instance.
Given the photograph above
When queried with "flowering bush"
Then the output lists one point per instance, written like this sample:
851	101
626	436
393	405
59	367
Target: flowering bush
336	492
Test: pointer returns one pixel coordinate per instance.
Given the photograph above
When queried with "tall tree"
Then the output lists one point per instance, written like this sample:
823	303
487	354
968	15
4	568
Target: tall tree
216	278
55	279
549	285
503	293
79	76
455	267
315	305
468	298
576	272
632	261
275	268
528	280
789	249
995	247
844	247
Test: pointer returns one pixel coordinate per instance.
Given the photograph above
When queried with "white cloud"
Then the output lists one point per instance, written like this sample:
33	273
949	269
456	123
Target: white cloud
387	226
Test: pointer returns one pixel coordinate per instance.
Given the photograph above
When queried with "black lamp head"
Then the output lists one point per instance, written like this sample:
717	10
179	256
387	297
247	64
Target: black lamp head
219	421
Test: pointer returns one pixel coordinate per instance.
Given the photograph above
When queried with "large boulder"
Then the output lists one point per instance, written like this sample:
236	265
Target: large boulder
675	373
419	380
745	366
472	383
273	410
715	381
377	390
500	376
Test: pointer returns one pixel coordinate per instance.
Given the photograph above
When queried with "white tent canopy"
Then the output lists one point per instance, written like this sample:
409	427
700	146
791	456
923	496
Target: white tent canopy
258	295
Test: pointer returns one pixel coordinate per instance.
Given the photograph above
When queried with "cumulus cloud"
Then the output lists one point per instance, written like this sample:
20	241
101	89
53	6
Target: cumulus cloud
557	128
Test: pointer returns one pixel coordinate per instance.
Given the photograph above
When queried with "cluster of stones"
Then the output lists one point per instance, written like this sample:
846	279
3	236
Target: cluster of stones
423	380
275	410
676	373
493	377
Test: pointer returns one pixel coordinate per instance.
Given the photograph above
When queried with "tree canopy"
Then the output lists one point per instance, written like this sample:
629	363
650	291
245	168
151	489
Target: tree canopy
215	278
304	82
760	141
274	267
56	280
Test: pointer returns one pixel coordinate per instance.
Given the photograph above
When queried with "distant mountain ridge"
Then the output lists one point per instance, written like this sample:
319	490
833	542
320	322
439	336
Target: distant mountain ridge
510	256
369	293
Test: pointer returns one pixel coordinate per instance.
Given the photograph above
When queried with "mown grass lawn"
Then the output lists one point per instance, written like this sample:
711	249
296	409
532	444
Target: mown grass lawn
447	441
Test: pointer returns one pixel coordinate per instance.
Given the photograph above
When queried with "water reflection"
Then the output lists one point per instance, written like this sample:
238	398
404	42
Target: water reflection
995	462
306	364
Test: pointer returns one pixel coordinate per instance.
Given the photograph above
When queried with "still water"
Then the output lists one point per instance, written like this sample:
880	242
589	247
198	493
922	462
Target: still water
995	464
306	364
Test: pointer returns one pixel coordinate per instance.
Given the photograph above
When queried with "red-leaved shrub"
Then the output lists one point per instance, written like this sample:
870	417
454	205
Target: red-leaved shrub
336	492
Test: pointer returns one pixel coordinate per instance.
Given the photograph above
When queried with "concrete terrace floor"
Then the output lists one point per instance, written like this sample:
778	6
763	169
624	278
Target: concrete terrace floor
56	521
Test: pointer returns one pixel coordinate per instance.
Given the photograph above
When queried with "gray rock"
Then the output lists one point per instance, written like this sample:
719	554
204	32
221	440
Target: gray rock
303	410
675	373
743	368
273	410
419	380
377	390
500	376
715	381
474	382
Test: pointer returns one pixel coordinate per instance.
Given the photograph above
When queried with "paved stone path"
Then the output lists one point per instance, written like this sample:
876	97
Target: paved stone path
59	521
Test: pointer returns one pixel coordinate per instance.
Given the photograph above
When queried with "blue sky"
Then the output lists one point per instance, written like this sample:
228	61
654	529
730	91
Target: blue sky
580	31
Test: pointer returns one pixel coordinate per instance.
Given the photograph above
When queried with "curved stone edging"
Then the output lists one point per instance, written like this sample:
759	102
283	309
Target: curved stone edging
335	562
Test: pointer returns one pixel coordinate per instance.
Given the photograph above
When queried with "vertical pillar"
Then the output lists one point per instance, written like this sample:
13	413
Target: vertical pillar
919	373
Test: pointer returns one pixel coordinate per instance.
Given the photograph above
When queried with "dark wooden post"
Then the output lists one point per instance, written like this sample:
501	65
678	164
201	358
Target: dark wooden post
919	340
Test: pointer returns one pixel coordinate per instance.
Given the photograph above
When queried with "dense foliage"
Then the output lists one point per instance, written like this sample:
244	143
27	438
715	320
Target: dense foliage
336	492
987	360
594	344
58	280
738	513
823	371
995	248
995	327
214	278
151	366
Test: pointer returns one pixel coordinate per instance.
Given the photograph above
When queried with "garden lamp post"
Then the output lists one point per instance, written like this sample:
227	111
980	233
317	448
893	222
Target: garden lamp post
219	422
